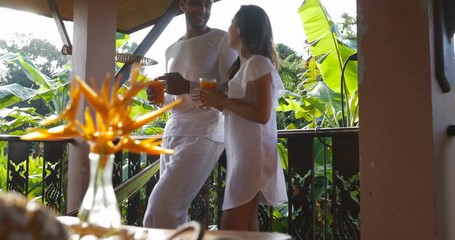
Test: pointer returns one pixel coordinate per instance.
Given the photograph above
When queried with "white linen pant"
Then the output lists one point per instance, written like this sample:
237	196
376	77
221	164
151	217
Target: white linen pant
182	175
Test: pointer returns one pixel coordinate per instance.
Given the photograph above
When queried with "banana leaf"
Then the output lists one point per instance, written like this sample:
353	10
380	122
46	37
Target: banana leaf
327	47
14	93
47	86
30	69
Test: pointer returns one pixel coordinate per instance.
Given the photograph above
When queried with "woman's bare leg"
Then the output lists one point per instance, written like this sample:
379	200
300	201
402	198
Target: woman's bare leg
241	218
254	221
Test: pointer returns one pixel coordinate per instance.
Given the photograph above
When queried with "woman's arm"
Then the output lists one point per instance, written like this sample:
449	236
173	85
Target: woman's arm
257	111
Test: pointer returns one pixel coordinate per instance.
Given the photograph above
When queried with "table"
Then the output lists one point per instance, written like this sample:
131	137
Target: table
140	233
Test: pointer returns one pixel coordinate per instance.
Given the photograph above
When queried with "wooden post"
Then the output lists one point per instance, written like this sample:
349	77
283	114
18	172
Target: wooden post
94	29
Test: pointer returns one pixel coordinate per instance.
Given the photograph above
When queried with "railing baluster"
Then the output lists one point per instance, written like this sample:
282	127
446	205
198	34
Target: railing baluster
134	167
53	158
17	179
345	165
117	173
300	160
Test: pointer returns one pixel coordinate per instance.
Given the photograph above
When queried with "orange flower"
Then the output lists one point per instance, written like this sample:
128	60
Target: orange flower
110	130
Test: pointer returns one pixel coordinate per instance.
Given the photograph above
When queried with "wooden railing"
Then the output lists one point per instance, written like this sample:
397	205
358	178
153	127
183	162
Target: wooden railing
321	174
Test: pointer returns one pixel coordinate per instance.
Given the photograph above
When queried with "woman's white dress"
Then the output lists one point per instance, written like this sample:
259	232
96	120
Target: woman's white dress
253	164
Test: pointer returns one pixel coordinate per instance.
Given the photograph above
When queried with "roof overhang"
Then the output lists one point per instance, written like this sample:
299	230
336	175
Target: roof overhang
132	15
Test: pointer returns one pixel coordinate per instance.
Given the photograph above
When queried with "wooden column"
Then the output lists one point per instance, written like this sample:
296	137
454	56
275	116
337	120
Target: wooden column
93	56
406	158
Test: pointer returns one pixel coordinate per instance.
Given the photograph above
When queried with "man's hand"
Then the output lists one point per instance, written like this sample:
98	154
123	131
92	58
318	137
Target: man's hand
151	95
176	84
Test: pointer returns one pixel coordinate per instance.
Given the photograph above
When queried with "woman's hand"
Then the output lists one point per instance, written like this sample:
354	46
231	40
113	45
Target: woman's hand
211	98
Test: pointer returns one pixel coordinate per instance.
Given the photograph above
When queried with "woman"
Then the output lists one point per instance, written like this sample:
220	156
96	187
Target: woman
254	172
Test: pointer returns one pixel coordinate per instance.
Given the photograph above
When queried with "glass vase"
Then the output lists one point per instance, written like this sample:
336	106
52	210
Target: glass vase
99	206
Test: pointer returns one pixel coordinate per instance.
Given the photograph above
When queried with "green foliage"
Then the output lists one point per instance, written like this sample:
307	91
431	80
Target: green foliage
283	154
52	92
3	166
326	46
14	93
44	56
318	95
346	28
288	114
280	218
50	89
34	167
121	41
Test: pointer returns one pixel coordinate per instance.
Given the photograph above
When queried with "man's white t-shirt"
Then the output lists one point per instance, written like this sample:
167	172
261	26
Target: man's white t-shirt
207	55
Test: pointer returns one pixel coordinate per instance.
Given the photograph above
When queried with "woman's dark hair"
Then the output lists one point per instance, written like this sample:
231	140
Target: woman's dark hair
255	34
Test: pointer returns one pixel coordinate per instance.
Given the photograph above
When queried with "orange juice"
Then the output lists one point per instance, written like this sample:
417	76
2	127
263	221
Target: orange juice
158	91
207	83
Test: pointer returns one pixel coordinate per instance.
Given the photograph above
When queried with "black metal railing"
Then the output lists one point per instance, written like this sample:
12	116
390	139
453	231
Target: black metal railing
322	174
321	169
38	169
35	169
323	183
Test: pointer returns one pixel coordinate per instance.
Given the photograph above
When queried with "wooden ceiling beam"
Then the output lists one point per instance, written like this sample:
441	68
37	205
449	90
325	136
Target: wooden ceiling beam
67	46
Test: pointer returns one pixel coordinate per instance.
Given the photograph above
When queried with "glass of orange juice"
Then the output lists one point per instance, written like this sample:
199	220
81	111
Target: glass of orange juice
207	83
155	92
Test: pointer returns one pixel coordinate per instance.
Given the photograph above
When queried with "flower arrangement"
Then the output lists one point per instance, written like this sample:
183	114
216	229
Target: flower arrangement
111	130
106	133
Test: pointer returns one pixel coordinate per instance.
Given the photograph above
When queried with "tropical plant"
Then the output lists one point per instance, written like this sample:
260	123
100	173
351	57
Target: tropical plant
346	28
327	94
52	92
3	166
287	115
322	92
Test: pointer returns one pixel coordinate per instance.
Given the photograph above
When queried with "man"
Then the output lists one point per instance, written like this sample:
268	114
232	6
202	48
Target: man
196	135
